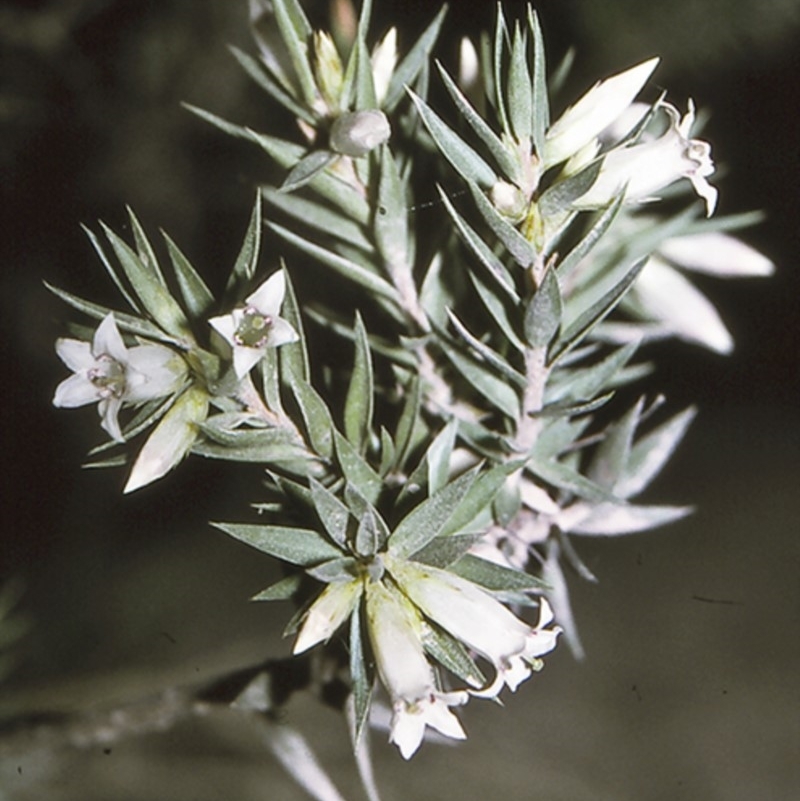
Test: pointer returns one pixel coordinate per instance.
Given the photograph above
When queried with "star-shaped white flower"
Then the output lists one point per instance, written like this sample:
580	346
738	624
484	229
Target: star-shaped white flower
108	373
253	328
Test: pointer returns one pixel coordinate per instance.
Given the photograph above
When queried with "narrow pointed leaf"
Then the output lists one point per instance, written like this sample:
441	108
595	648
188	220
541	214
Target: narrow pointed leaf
356	470
298	546
315	413
359	403
465	161
519	88
612	453
572	259
495	390
196	295
360	675
444	550
154	298
505	160
520	249
311	165
282	590
610	520
541	106
597	312
295	32
543	315
244	269
427	520
451	654
560	197
345	267
333	514
440	453
112	272
496	577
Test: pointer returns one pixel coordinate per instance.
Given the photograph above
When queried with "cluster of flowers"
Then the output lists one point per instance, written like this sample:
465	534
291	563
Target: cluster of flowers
433	593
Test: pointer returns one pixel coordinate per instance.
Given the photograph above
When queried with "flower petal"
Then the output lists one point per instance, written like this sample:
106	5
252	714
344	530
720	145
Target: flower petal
76	354
108	341
75	391
268	298
280	333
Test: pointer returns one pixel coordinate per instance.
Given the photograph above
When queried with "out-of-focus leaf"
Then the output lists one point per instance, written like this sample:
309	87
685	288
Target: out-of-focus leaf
572	259
495	577
415	60
611	520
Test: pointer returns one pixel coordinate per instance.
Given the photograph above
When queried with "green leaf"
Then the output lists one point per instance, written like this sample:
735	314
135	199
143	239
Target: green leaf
415	60
427	520
498	309
298	546
333	189
196	295
333	514
409	416
543	315
495	577
244	269
479	496
566	478
519	88
515	243
360	675
504	158
588	381
370	537
573	409
255	70
320	217
562	194
345	569
496	391
311	165
265	446
315	413
444	550
541	105
491	356
365	85
356	470
283	590
151	292
345	267
572	259
452	655
237	131
495	268
121	288
595	313
144	250
391	218
466	162
358	407
125	322
295	31
500	37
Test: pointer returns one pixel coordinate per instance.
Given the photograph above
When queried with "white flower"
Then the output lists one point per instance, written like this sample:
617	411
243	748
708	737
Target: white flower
644	169
108	373
256	326
383	61
482	623
333	606
594	112
395	631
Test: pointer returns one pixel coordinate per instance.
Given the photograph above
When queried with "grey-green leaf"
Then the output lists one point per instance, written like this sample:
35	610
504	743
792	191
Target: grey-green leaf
359	403
298	546
543	315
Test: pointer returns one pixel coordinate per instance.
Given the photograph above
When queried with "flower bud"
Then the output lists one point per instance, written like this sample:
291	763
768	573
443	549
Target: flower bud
355	133
509	200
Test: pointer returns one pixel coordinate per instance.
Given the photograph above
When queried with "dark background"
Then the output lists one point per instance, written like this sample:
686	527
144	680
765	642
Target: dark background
688	691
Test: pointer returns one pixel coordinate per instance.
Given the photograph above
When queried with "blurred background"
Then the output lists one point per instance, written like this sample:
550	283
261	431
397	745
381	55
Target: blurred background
689	690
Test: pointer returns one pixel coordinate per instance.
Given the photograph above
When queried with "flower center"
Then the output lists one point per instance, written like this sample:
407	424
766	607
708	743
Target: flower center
253	330
108	375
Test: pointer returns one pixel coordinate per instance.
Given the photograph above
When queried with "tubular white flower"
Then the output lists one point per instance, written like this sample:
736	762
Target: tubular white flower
333	606
255	327
108	373
644	169
594	112
482	623
395	632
